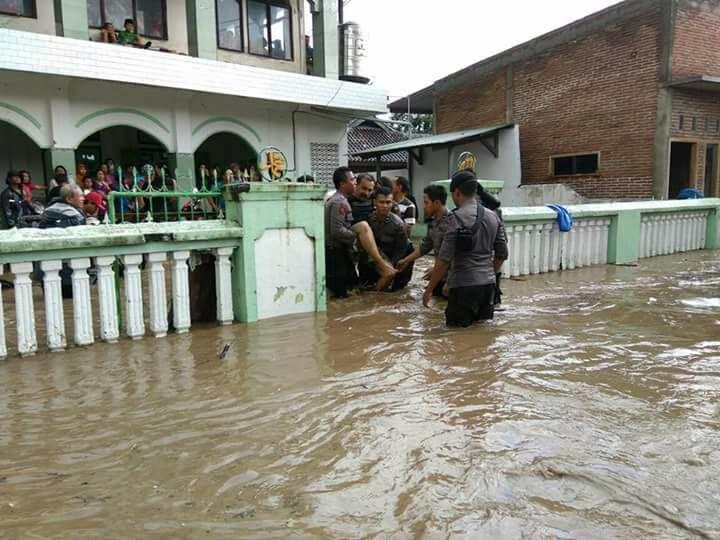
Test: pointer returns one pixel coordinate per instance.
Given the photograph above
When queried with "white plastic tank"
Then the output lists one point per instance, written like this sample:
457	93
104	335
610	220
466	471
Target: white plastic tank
352	54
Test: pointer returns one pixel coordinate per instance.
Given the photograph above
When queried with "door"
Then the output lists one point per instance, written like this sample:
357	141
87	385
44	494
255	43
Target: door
711	170
681	167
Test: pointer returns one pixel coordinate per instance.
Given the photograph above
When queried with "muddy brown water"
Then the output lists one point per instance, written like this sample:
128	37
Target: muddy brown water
588	409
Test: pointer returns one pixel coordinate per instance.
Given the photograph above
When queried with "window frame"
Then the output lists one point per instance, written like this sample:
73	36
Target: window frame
242	29
134	10
33	16
575	155
268	3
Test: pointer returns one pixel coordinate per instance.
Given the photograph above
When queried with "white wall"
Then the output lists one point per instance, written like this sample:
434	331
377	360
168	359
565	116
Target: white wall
44	24
439	164
285	263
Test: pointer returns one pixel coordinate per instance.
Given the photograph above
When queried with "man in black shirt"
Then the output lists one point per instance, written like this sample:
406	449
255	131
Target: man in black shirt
361	202
11	201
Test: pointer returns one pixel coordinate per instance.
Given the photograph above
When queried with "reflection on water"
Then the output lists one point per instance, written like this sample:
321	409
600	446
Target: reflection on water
589	408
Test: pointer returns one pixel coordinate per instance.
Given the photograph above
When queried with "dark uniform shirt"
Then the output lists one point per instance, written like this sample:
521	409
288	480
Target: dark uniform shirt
11	203
390	236
436	229
338	220
474	267
361	208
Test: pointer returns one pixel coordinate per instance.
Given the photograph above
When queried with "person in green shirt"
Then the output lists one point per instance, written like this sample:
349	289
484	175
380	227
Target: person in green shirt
129	36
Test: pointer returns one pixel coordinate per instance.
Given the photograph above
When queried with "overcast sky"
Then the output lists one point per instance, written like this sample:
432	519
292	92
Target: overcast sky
413	43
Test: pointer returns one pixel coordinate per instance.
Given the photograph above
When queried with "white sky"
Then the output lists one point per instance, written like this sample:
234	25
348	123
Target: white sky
412	43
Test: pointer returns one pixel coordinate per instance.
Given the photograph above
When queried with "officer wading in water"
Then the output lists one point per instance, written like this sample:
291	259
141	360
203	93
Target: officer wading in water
472	252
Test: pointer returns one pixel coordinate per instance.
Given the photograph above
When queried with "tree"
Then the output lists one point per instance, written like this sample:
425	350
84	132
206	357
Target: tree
421	123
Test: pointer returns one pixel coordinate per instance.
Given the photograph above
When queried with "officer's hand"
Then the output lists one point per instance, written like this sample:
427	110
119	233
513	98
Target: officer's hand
401	264
427	295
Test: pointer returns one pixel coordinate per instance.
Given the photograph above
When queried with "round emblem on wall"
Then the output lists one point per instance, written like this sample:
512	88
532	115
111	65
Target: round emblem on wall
272	164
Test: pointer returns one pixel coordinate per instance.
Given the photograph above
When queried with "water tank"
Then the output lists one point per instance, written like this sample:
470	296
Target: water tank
352	54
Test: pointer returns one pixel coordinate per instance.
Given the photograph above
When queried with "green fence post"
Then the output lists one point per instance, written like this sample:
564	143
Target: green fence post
624	237
712	232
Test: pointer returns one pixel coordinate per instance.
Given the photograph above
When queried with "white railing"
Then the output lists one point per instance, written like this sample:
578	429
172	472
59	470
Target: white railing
126	253
607	233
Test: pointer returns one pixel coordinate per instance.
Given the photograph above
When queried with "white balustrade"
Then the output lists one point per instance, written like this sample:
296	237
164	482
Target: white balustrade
54	314
223	285
82	307
180	291
134	318
3	343
107	299
24	309
158	297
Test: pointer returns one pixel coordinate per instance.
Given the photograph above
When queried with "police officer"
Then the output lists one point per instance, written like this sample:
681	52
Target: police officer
473	249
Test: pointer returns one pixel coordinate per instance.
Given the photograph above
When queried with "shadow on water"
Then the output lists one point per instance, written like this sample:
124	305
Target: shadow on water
588	408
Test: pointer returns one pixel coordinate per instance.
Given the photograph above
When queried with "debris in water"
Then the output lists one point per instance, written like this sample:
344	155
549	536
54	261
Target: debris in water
224	352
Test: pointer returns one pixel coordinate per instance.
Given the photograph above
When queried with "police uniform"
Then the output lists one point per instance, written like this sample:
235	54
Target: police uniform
436	229
471	277
339	241
393	243
361	208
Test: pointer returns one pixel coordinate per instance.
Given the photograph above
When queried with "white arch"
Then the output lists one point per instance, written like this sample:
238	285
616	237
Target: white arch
105	121
214	128
25	126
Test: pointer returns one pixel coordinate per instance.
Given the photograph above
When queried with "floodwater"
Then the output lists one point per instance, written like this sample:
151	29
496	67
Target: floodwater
589	409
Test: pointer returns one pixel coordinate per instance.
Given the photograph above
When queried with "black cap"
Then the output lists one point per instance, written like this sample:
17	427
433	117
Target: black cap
462	177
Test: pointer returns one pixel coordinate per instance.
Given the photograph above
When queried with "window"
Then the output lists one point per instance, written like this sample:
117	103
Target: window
149	15
580	164
270	29
229	35
20	8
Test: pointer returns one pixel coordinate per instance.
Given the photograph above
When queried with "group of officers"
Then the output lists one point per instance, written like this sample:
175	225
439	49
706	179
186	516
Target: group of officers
367	227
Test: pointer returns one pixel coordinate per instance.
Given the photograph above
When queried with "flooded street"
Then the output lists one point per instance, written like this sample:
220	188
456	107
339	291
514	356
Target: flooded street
588	409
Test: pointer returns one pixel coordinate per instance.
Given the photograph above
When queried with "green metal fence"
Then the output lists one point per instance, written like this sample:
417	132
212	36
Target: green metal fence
153	196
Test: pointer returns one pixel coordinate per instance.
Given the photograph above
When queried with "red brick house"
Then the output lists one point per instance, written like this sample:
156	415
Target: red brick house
624	103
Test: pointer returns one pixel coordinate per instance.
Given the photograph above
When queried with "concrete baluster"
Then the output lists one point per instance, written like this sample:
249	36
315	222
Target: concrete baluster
107	299
180	291
643	237
54	315
517	250
24	309
535	248
158	297
82	307
572	244
223	285
546	253
134	318
556	247
703	230
588	241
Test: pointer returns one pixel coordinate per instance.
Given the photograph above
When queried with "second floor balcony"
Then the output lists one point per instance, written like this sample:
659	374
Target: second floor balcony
261	33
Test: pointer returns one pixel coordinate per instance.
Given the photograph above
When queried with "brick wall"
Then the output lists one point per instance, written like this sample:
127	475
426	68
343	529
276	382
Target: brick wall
696	119
697	34
595	95
478	104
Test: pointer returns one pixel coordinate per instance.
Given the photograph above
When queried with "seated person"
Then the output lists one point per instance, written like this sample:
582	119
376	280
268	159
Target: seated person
361	201
66	210
391	239
129	35
91	213
340	237
434	201
108	34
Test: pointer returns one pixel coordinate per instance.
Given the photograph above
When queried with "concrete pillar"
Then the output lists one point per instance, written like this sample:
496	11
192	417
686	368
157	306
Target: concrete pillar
326	42
624	237
71	18
295	211
59	156
712	233
202	28
183	165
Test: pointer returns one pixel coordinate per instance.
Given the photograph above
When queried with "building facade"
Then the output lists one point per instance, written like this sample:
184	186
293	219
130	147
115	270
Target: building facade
622	104
220	80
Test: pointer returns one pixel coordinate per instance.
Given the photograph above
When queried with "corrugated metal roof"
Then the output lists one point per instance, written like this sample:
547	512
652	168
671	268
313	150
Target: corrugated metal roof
373	134
444	139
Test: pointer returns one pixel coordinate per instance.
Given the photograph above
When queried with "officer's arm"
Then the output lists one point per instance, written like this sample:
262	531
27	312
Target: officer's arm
500	247
338	229
442	263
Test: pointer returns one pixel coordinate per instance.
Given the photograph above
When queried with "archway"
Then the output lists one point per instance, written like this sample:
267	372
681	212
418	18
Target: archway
126	146
20	152
223	149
